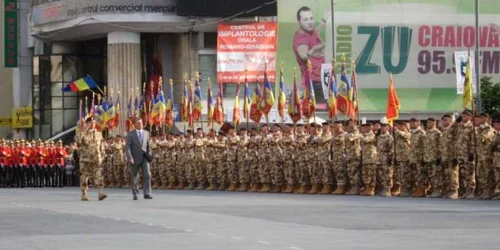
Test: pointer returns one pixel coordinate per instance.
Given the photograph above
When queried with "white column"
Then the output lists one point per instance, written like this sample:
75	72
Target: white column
124	67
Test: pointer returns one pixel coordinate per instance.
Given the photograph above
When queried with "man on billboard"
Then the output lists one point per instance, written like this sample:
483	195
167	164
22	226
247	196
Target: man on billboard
307	45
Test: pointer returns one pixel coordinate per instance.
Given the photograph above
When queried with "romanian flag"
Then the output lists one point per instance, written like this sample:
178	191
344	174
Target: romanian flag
393	105
169	111
197	101
344	93
80	85
255	113
281	98
108	113
294	109
267	98
129	124
332	95
116	120
98	117
246	101
467	99
159	109
309	101
210	104
354	93
219	107
184	104
236	110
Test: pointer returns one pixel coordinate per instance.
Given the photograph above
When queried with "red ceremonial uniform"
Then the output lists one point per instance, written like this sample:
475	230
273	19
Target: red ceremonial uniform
41	156
60	155
14	160
5	155
24	156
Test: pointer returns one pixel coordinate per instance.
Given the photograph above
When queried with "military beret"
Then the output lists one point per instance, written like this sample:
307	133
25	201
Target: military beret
467	112
171	133
253	129
431	119
447	116
484	115
300	125
368	124
188	131
221	133
243	129
312	125
264	125
384	124
325	123
379	123
90	119
337	122
199	129
414	119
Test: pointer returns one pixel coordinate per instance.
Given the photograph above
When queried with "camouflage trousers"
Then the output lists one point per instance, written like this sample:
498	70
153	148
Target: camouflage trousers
92	171
180	170
200	171
118	174
222	177
450	176
289	172
211	172
339	172
352	168
244	171
369	174
190	171
410	175
126	175
155	172
254	170
316	171
232	171
469	173
265	171
169	171
484	172
302	170
384	175
277	174
107	173
164	177
398	172
435	175
496	170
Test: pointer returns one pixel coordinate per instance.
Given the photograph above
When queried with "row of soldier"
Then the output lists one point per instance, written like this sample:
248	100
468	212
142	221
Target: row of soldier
32	164
337	158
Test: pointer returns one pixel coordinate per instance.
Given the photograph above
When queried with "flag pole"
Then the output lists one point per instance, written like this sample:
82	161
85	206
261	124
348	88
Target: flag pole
476	61
247	115
282	111
353	68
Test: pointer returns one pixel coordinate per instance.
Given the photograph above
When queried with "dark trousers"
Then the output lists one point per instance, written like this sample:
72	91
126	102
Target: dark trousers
40	172
49	176
58	176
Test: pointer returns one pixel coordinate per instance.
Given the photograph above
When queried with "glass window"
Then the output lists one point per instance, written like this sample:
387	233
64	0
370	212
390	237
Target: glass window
57	102
36	116
56	72
46	116
36	95
70	103
36	131
208	67
69	68
55	90
210	40
70	118
57	121
45	131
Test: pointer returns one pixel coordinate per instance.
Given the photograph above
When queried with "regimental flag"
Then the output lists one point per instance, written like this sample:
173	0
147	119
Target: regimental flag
255	113
354	93
108	114
210	104
246	101
236	110
81	115
184	104
129	123
219	106
281	97
136	106
197	101
332	95
467	99
393	104
80	85
344	91
169	111
294	107
159	109
118	112
267	98
98	116
309	101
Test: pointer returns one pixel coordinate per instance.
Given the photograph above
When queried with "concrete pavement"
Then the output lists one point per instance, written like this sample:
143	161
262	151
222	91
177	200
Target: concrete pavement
56	219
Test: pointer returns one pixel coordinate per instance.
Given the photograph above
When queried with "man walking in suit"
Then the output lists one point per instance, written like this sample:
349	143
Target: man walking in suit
138	151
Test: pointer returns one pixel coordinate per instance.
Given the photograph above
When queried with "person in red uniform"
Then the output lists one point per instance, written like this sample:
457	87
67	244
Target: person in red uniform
40	155
4	169
49	177
6	158
24	154
32	162
16	167
60	155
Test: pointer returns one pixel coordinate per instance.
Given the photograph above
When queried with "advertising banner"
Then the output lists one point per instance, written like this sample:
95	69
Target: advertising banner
461	58
248	47
413	40
11	34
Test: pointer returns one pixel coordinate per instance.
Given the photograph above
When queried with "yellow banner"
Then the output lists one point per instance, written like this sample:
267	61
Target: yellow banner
22	117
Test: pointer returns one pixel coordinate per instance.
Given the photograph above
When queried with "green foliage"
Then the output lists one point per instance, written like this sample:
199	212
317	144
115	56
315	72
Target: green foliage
490	95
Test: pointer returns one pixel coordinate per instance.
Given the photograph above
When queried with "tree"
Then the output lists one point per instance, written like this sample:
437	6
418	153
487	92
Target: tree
490	95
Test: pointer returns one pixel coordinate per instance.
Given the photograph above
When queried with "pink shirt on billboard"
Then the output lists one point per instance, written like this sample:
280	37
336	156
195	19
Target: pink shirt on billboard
310	39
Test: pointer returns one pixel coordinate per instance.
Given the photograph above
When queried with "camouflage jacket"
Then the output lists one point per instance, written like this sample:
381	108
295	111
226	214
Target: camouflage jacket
91	146
431	145
417	146
447	144
465	140
385	148
402	140
338	146
369	147
485	137
353	145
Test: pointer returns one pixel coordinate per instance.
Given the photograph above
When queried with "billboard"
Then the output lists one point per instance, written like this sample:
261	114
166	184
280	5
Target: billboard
413	40
248	47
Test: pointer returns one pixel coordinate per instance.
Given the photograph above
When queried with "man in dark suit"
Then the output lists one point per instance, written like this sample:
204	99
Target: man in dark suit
138	151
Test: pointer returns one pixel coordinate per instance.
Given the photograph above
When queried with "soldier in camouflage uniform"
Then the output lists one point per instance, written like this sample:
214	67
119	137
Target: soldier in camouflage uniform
385	154
155	164
91	149
264	159
432	161
338	144
301	164
447	154
313	159
107	164
287	144
169	175
221	161
465	154
233	141
495	149
369	148
189	153
118	161
485	137
199	160
253	160
416	176
243	166
401	158
353	158
162	161
276	163
324	161
181	158
210	160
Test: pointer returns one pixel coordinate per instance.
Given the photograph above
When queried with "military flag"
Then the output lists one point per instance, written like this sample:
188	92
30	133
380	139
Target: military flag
197	100
255	113
332	94
309	101
281	96
354	93
184	103
393	104
467	98
267	98
344	91
246	101
294	106
159	109
219	106
236	109
210	104
169	111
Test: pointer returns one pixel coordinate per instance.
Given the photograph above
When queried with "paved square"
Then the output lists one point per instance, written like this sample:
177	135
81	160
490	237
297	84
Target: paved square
56	219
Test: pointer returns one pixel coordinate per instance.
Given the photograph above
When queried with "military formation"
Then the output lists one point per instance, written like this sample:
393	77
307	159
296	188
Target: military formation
456	160
32	163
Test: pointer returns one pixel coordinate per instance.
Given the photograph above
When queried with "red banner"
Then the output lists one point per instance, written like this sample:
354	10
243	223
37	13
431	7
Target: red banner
243	47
